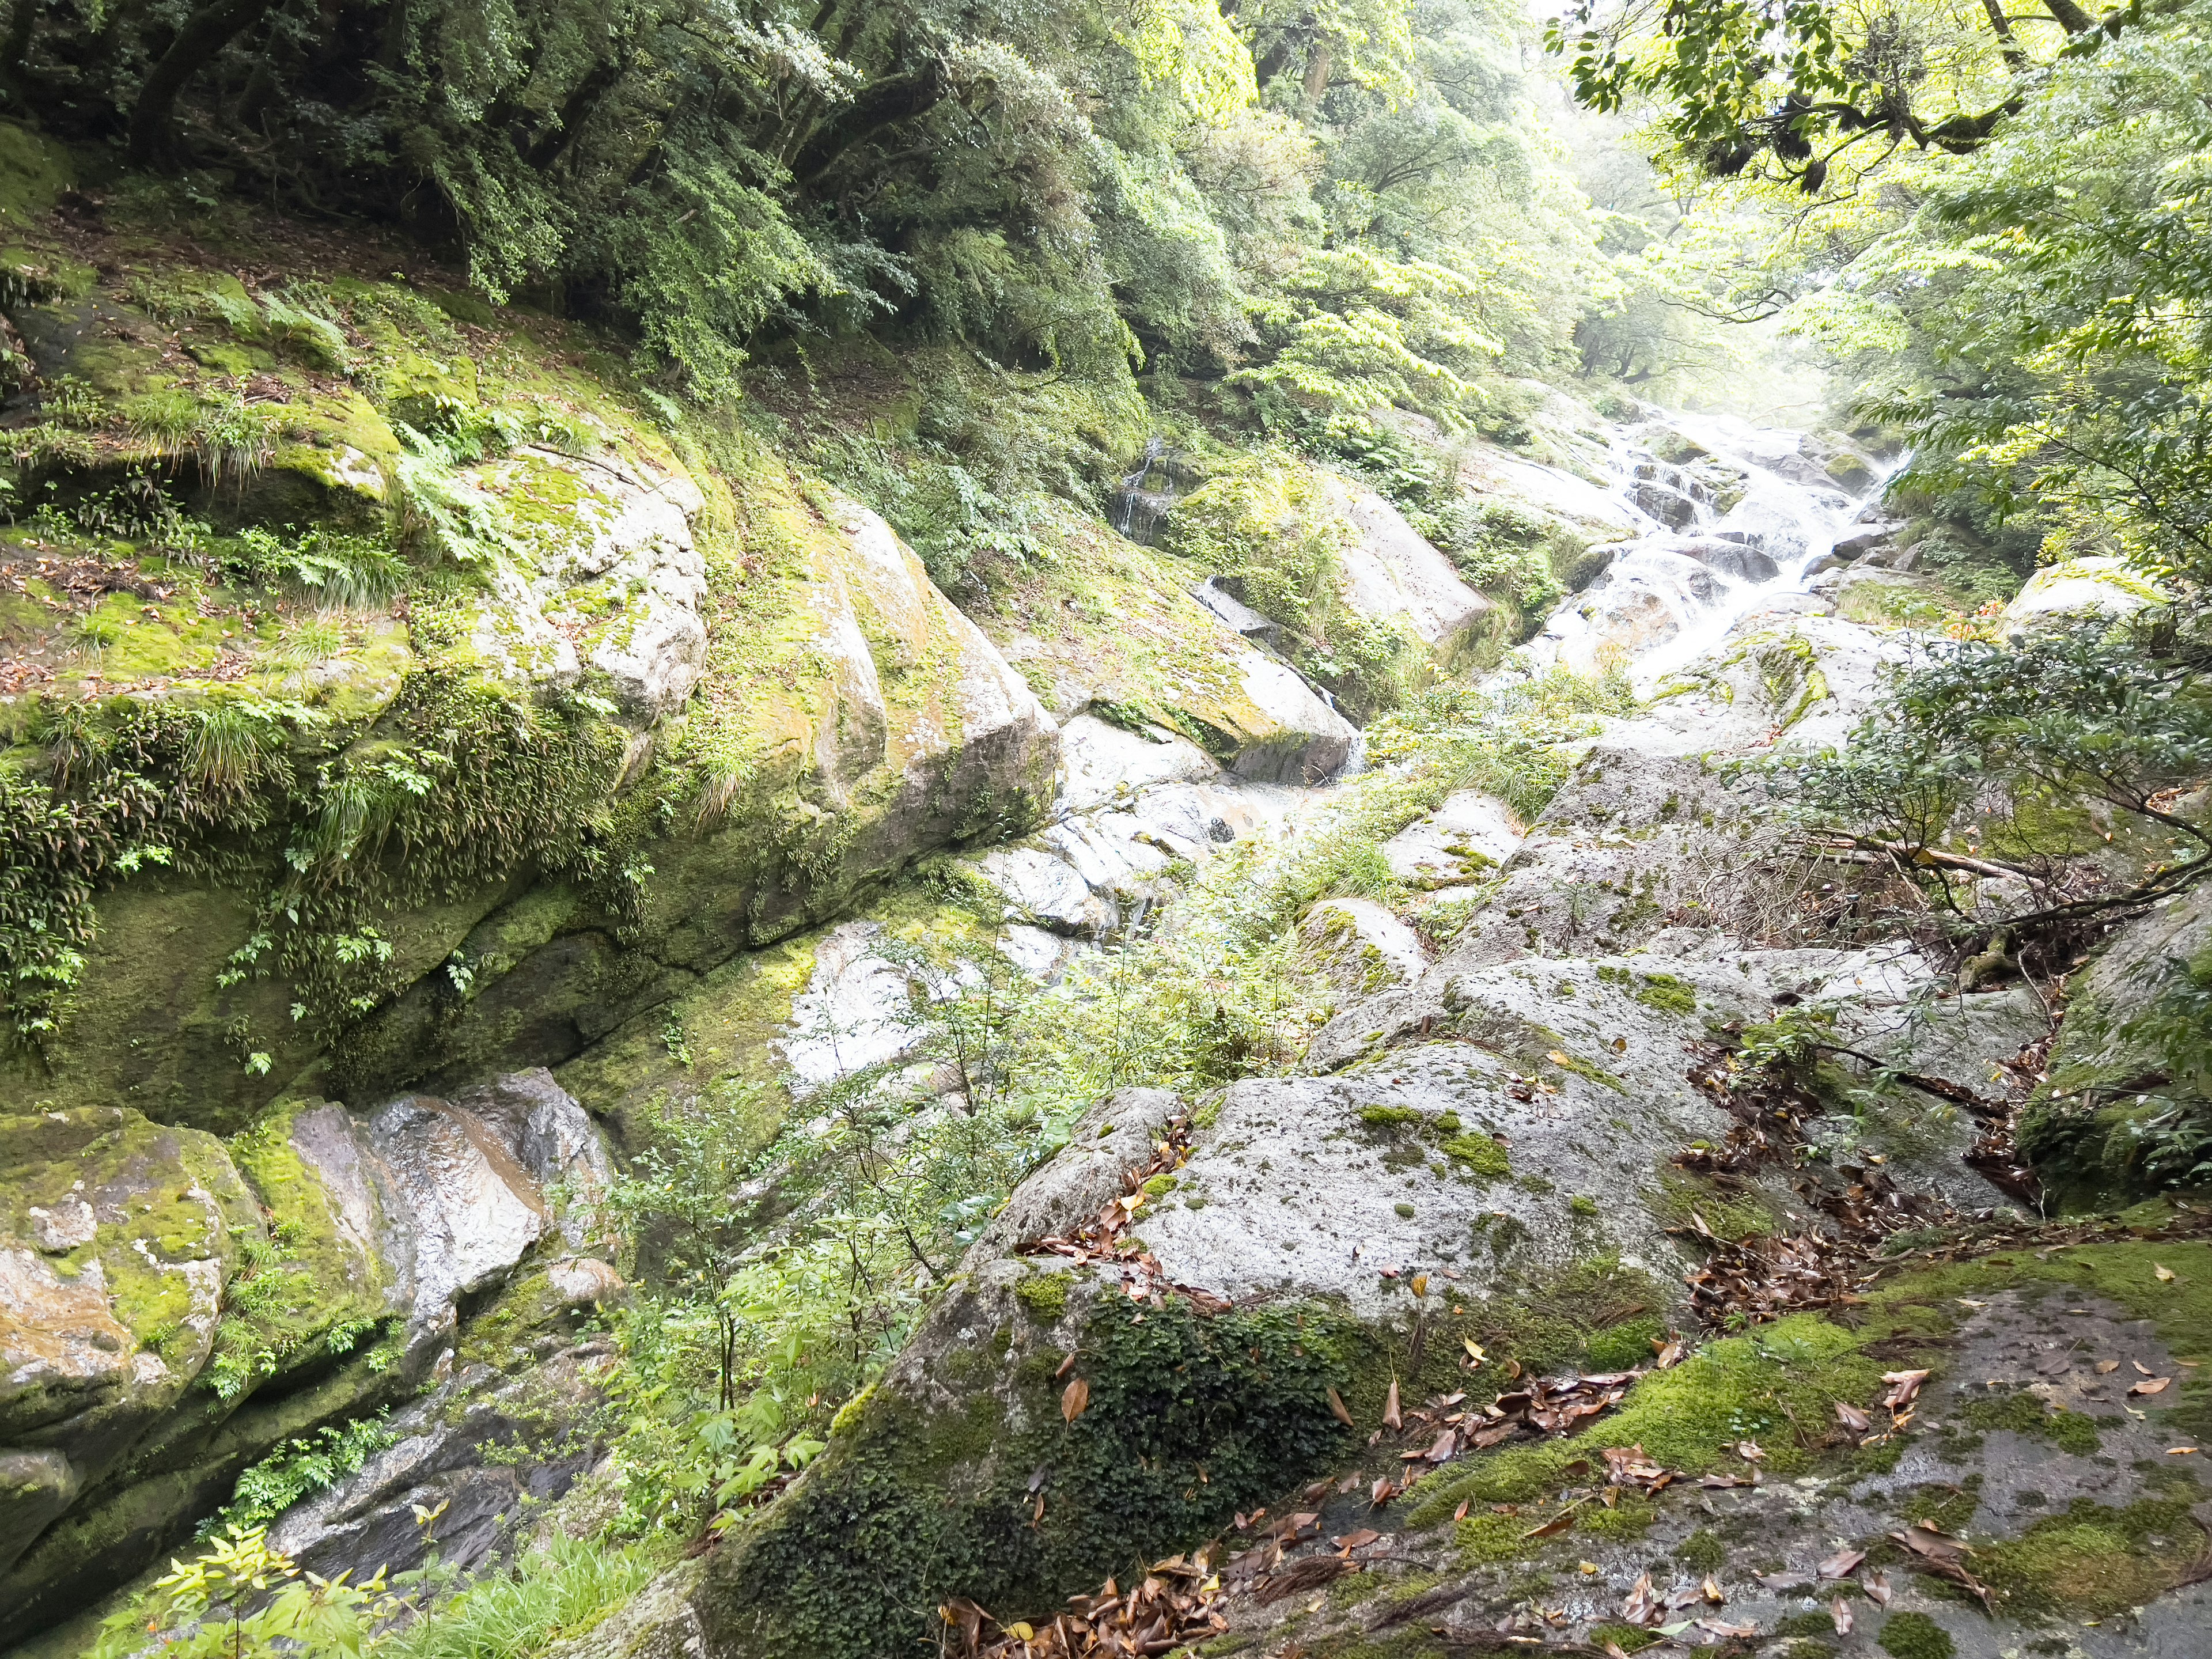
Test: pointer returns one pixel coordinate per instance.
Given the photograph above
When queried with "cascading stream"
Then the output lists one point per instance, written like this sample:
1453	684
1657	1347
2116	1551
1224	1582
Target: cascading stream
1744	517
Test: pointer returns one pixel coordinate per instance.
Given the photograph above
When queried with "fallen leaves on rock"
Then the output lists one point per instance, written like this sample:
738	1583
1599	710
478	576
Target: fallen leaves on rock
1170	1608
1100	1239
1937	1552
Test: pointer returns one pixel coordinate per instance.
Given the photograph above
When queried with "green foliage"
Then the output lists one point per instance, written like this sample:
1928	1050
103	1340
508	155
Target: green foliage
558	1591
297	1469
1796	89
2049	298
461	781
2081	712
242	1600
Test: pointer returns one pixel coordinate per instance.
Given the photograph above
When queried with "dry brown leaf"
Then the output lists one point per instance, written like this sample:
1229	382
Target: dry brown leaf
1392	1417
2142	1369
1460	1513
1713	1591
1339	1411
1553	1528
2164	1273
1904	1387
2106	1367
1075	1401
1839	1615
1842	1563
1876	1585
1852	1417
2152	1385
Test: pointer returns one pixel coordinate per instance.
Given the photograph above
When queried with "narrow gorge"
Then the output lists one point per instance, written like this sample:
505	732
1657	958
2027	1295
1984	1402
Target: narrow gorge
1047	837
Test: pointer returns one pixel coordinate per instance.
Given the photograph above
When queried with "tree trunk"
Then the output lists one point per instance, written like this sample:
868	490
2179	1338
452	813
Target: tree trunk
204	33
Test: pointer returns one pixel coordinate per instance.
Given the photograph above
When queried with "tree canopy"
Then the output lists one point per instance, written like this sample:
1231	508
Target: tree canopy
1063	185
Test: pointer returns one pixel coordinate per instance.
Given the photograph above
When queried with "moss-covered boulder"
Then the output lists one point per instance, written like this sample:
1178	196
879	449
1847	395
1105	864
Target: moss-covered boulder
1098	623
2130	1087
120	1236
172	1309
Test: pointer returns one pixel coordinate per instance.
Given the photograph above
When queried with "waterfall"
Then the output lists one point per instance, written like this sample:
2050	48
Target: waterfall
1142	503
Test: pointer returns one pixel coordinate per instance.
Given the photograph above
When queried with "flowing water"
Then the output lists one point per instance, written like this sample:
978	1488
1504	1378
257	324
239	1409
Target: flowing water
1741	524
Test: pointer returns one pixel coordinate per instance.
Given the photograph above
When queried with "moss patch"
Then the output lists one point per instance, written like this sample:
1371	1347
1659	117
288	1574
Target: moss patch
1189	1419
2093	1560
1915	1636
1045	1295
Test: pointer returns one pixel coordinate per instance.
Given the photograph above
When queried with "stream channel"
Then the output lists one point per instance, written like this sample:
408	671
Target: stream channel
1741	525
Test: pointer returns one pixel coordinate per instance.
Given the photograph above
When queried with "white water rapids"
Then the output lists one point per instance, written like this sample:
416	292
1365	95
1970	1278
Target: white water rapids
1717	537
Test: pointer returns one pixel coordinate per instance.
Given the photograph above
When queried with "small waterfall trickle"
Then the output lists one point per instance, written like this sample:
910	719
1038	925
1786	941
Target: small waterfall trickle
1146	497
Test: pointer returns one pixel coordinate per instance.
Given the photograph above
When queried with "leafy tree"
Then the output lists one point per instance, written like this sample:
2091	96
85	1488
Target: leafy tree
1802	87
2087	713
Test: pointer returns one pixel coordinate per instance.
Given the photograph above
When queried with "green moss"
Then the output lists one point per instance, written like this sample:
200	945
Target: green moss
1690	1416
1619	1347
2024	1412
1667	994
1479	1155
1491	1536
2094	1561
1915	1636
1190	1419
1630	1518
1946	1507
1045	1295
32	174
314	1292
1388	1117
1702	1551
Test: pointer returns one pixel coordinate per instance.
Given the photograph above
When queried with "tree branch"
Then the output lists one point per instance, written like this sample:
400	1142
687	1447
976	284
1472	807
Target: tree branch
204	33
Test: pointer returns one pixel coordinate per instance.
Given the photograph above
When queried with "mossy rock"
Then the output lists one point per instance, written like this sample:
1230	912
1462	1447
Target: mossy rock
2123	1060
962	1476
33	173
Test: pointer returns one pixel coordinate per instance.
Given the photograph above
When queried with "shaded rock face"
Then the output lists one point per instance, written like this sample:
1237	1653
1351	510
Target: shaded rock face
2130	1052
473	1449
134	1390
884	725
